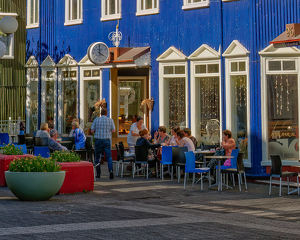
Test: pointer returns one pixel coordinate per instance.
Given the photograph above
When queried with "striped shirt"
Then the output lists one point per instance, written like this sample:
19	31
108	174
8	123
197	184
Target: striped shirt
103	127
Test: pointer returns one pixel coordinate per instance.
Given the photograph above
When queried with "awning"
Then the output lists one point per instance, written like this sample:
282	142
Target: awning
137	55
290	37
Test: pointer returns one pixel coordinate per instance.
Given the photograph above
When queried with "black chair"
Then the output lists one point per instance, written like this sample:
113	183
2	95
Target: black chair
21	139
122	158
276	171
41	141
141	157
179	159
87	151
68	142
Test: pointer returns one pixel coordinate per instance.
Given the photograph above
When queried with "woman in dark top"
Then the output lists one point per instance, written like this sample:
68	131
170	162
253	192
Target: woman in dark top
144	140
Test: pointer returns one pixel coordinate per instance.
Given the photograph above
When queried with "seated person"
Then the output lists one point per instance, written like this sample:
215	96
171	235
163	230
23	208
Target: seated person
183	141
172	141
161	136
44	132
78	135
53	144
187	133
144	141
134	131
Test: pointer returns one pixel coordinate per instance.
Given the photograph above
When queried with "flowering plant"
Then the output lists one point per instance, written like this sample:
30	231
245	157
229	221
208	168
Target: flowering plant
63	156
11	149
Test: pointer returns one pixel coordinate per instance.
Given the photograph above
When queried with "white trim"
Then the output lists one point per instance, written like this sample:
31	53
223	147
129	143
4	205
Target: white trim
8	14
236	49
36	22
172	54
142	12
186	5
204	52
162	105
31	62
108	17
228	75
267	54
79	20
81	90
149	89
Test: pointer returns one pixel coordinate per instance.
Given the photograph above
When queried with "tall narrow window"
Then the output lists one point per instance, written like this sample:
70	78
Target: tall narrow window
73	12
49	97
9	44
189	4
32	97
145	7
32	13
111	9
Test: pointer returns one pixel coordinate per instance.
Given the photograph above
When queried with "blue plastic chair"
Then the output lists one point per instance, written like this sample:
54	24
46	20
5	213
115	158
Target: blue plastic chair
234	154
22	147
190	167
42	151
4	138
166	159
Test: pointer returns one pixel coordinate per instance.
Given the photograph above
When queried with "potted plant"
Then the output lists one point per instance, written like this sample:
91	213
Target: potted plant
35	178
79	174
9	153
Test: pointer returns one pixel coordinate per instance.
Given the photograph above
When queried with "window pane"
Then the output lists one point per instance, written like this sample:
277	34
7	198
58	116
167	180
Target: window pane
87	73
7	41
131	95
36	11
69	90
175	97
239	112
92	94
208	110
112	7
33	86
200	69
148	4
74	10
118	6
242	66
282	96
142	4
169	70
155	3
106	7
234	67
179	69
31	15
50	102
274	65
213	68
289	65
195	1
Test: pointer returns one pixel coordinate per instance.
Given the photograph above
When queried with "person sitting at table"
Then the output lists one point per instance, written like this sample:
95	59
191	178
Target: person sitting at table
78	135
44	132
183	141
172	140
134	131
72	130
53	144
228	144
188	134
161	136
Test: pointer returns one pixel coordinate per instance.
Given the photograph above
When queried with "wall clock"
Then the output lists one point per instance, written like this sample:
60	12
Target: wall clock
98	53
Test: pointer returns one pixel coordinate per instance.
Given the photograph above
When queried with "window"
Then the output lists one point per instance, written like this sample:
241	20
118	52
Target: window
189	4
9	44
111	9
32	98
32	13
73	12
145	7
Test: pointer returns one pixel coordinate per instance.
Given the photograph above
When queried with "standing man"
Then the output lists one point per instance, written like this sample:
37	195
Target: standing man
102	128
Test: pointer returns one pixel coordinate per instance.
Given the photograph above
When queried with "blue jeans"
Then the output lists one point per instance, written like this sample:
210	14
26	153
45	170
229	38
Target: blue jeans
103	145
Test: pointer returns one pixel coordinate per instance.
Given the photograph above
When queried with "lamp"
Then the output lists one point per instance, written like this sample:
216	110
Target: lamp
8	24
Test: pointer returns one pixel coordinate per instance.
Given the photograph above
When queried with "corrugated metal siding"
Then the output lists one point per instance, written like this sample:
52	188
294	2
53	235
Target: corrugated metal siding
12	72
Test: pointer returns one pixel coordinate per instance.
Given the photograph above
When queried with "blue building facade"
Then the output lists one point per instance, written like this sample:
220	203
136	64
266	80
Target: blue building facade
209	67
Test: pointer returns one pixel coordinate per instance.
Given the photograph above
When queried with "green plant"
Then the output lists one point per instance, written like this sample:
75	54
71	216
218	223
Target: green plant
34	164
11	149
62	156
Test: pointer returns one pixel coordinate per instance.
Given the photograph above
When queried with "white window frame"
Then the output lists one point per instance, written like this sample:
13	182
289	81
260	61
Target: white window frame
162	104
228	75
36	22
108	17
79	20
81	90
141	12
195	75
187	5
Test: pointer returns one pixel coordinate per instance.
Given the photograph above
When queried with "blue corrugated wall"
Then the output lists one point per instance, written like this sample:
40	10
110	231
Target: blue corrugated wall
252	22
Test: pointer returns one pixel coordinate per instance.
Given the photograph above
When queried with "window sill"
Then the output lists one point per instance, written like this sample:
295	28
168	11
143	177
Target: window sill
195	5
7	58
29	26
73	22
147	12
284	163
111	17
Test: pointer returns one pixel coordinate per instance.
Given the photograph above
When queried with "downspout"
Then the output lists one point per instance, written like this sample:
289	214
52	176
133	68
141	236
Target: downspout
223	92
39	67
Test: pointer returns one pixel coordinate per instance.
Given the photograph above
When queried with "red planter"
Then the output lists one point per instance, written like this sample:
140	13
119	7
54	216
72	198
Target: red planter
4	165
79	177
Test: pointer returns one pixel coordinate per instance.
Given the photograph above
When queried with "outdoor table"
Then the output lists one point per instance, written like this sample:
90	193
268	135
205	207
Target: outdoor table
219	159
204	152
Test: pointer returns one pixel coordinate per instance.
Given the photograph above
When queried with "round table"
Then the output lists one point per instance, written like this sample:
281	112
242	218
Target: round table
219	159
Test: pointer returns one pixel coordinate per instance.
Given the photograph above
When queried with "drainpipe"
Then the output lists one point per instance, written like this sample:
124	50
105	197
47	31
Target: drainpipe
223	92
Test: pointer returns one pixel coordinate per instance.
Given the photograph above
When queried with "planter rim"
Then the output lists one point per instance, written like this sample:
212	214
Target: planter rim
35	172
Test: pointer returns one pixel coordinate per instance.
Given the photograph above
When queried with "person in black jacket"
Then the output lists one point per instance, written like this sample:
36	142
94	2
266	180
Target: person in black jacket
144	141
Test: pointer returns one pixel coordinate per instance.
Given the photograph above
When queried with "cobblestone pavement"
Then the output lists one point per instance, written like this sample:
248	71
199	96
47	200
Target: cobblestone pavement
152	209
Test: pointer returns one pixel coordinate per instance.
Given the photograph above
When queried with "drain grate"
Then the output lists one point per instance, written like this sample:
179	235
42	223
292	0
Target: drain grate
55	212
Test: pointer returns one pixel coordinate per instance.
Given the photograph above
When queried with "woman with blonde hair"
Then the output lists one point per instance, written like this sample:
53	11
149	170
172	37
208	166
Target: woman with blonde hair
79	136
44	132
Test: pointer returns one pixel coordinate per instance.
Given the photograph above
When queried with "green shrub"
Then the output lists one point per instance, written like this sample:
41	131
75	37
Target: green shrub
11	149
62	156
34	164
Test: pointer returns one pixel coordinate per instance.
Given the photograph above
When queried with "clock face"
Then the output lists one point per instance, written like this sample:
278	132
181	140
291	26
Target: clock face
98	53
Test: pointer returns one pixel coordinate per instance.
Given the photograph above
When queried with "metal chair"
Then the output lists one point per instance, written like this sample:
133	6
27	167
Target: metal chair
4	138
179	160
166	159
276	171
122	158
42	151
141	157
21	139
88	150
41	141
